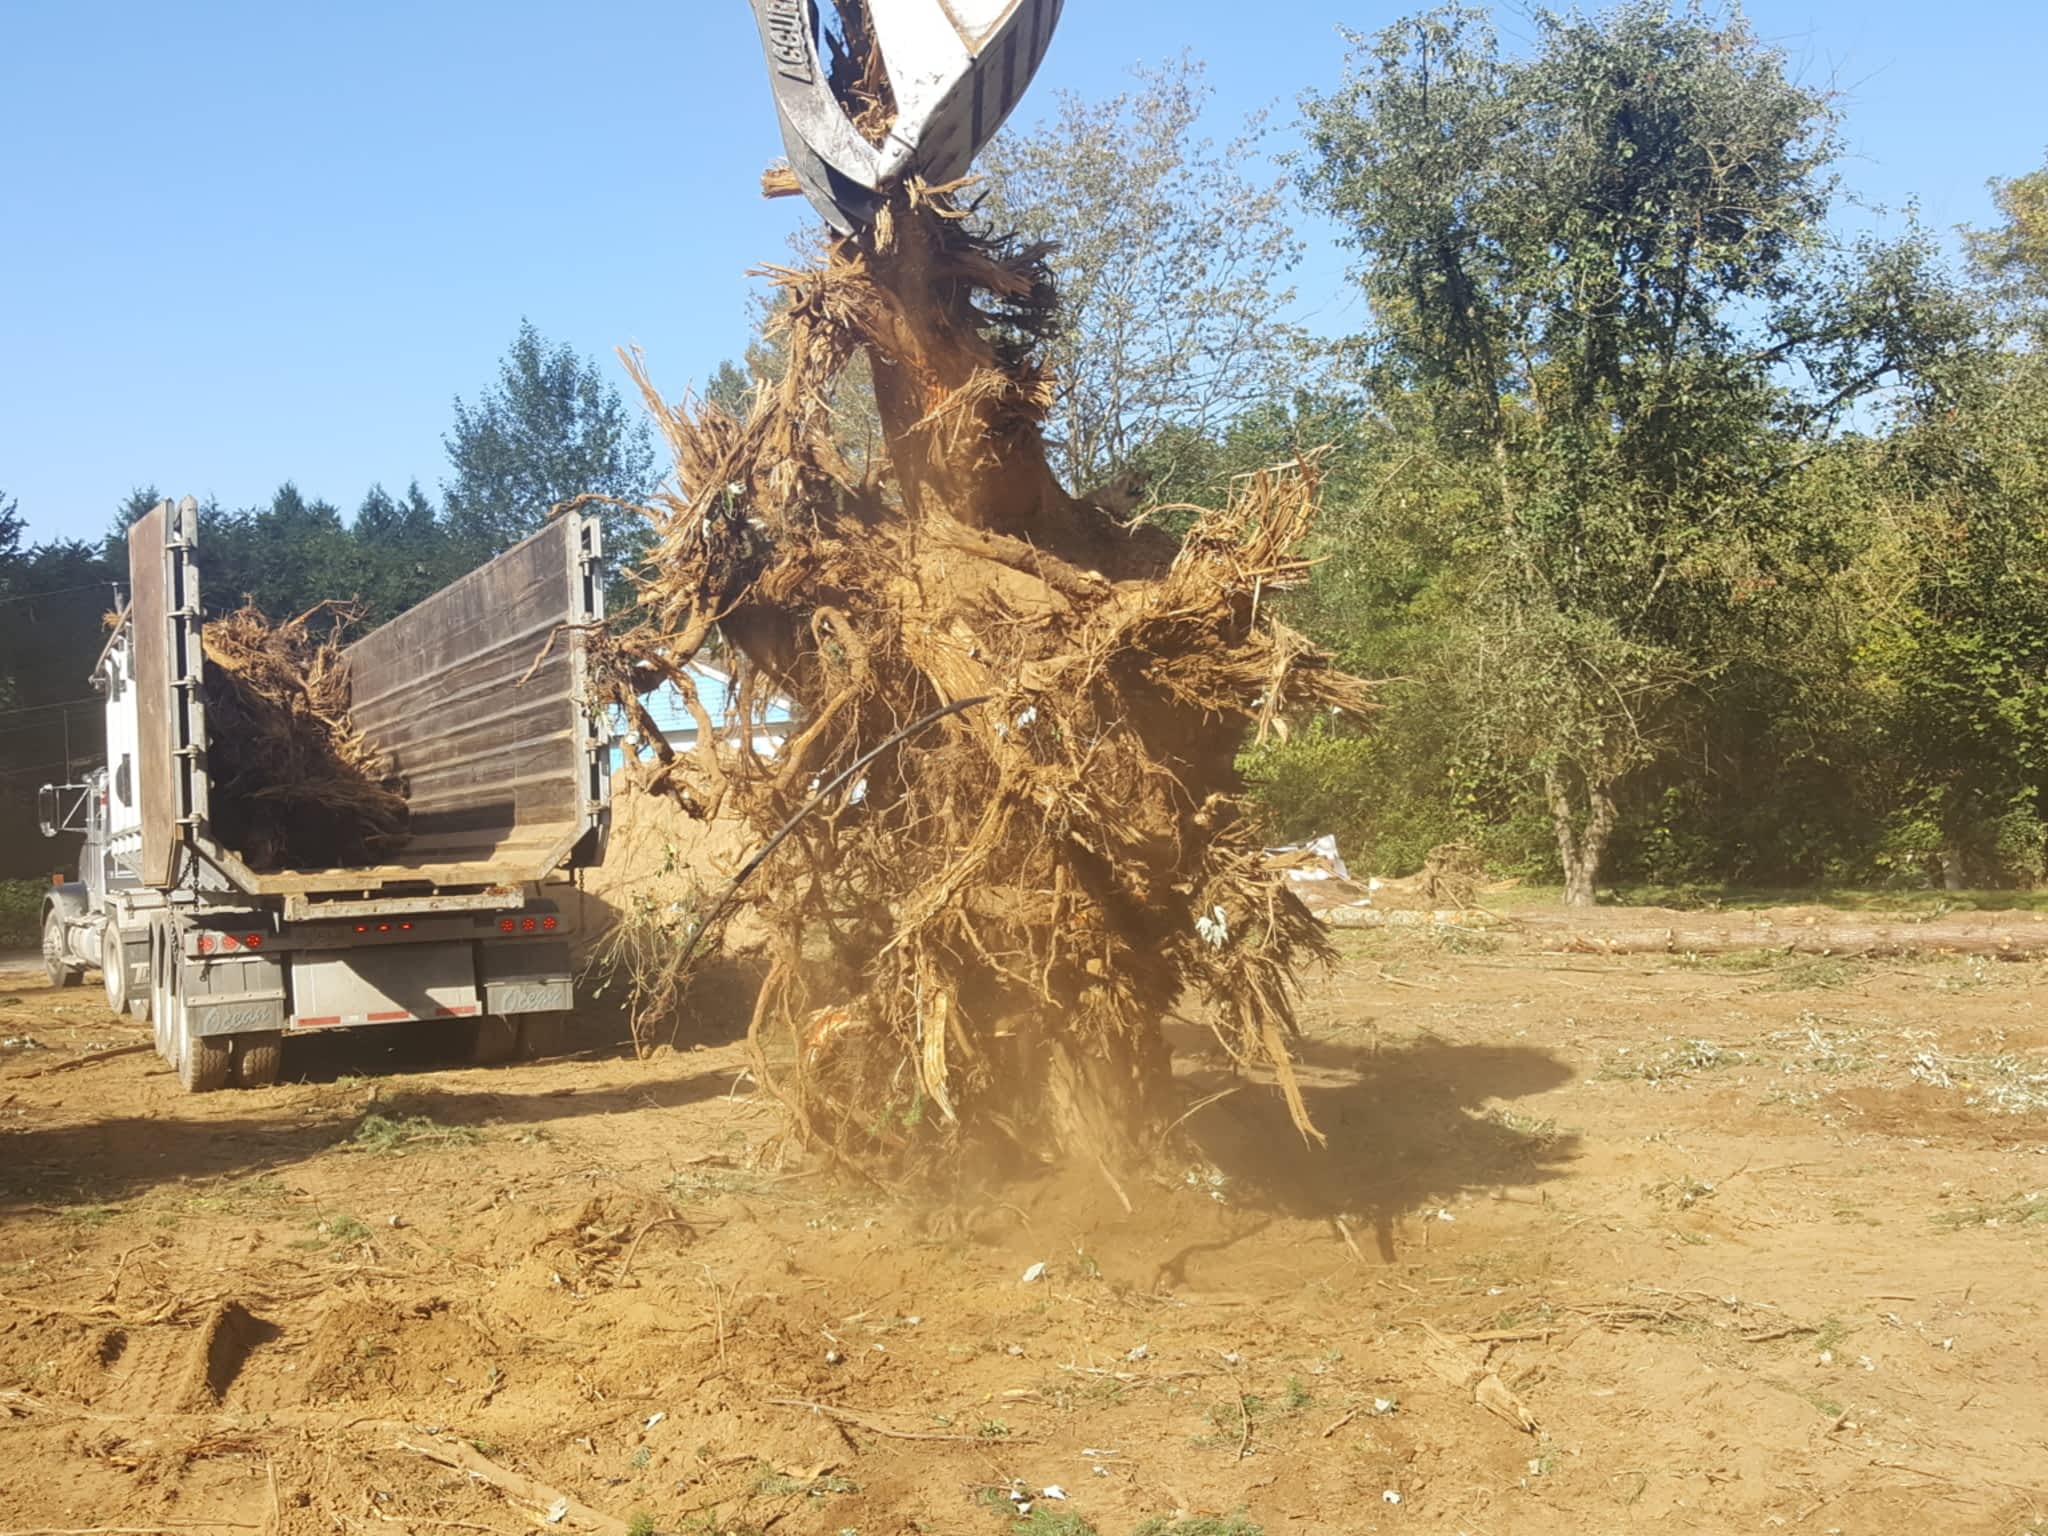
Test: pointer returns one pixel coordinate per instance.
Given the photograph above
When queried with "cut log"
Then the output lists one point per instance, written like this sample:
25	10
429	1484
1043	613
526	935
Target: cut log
2002	935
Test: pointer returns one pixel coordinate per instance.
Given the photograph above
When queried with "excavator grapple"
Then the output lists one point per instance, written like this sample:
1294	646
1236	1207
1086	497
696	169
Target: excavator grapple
954	68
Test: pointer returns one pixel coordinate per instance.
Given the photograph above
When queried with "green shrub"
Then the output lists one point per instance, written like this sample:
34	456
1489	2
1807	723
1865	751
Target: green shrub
21	913
1395	791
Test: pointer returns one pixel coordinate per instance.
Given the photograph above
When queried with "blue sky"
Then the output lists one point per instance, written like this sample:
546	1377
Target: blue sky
243	243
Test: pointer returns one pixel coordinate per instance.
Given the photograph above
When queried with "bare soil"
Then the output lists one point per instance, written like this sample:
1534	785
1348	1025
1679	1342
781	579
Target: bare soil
1753	1245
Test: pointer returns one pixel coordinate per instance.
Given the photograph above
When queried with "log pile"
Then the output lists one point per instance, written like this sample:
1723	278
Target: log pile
974	947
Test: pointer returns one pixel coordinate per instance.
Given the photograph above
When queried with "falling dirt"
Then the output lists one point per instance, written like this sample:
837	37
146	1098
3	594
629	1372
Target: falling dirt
1751	1246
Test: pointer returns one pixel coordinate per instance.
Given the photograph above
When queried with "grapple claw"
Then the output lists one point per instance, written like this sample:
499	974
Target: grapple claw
956	69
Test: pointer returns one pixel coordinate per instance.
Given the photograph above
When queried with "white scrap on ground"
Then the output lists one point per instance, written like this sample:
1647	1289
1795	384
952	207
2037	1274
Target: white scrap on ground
1328	863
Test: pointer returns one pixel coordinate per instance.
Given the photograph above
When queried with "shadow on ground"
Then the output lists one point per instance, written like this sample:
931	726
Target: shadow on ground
122	1157
1409	1127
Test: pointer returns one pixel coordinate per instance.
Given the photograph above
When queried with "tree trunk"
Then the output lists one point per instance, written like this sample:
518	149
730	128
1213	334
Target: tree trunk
1954	875
1581	841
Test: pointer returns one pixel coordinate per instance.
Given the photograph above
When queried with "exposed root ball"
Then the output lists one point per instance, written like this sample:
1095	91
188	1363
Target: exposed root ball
293	785
974	951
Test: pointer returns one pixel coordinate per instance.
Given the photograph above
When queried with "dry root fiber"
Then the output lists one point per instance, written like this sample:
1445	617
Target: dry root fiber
974	950
293	785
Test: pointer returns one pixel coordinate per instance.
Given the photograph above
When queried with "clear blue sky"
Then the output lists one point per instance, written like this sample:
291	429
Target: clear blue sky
242	243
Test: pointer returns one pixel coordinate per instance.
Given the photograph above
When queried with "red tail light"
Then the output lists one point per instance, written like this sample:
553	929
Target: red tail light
205	945
362	927
506	925
550	923
529	925
405	927
252	941
383	927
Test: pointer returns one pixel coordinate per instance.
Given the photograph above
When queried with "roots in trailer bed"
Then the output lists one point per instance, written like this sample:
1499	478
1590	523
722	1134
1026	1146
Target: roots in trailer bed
293	785
974	946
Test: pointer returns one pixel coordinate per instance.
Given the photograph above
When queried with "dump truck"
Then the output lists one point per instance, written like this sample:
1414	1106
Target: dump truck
480	702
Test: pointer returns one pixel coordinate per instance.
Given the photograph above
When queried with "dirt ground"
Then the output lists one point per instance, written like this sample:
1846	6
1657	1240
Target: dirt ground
1748	1245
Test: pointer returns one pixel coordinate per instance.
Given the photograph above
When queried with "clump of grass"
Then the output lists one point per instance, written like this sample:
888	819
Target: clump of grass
2026	1210
1239	1524
237	1199
1683	1193
642	1524
1818	1047
1678	1060
780	1485
1804	972
1047	1521
1536	1134
2005	1085
391	1137
333	1229
90	1215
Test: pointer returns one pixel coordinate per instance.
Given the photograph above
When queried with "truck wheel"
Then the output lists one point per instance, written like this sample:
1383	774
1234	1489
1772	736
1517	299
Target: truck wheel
204	1062
258	1059
114	969
159	999
115	941
56	964
542	1034
497	1041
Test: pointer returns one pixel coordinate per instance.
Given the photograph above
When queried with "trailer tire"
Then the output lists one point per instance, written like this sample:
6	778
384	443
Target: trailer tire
60	971
496	1041
259	1059
204	1062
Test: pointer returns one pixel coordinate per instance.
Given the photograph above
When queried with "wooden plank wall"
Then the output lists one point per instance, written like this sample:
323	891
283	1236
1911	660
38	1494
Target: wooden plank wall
155	765
483	728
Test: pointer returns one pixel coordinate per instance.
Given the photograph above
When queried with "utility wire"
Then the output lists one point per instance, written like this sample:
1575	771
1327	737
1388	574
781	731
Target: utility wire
31	709
29	597
819	797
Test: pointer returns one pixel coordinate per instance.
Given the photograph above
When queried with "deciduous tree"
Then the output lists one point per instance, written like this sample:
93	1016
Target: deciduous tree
553	427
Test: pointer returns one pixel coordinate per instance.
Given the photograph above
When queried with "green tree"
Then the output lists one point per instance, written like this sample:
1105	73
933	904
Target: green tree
1171	257
551	428
53	600
1604	317
403	551
285	556
2013	255
1954	659
10	554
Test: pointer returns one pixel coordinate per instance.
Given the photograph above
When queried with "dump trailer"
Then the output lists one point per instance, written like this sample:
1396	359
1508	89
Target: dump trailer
479	702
